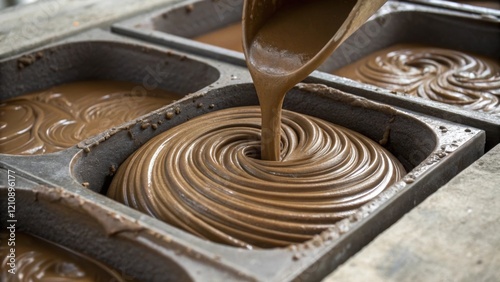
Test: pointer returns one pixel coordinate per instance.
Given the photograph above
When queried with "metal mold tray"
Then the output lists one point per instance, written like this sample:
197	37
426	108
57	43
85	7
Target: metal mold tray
458	6
176	24
101	59
52	201
395	22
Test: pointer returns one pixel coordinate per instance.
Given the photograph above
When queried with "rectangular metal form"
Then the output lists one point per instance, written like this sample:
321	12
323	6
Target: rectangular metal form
482	8
176	25
469	30
60	196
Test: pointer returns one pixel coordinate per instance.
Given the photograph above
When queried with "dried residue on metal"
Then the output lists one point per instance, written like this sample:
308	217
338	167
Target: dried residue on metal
28	60
332	234
346	98
111	222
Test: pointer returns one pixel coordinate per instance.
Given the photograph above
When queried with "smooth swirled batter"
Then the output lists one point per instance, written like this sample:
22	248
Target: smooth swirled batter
60	117
442	75
40	260
206	176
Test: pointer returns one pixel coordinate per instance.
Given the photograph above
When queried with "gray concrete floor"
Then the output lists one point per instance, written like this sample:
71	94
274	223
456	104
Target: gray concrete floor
454	235
28	26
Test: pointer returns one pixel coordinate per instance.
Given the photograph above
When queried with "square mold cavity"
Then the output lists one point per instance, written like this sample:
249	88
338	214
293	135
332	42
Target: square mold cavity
396	22
427	25
60	208
83	225
176	25
44	204
99	55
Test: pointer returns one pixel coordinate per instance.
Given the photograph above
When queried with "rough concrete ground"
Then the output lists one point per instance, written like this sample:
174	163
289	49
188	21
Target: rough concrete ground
28	26
454	235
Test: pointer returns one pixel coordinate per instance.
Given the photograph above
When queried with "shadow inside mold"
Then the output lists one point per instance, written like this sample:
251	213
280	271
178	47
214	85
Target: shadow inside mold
130	68
104	60
57	217
429	26
193	19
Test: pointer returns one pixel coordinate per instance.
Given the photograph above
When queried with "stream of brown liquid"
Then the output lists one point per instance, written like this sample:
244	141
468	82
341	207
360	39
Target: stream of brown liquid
204	176
278	57
207	177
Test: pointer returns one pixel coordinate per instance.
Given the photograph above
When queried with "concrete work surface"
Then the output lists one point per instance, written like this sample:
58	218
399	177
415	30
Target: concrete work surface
454	235
29	26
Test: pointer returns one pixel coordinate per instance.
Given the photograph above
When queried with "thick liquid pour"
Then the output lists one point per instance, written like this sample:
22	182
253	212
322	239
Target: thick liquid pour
39	260
278	57
438	74
205	176
60	117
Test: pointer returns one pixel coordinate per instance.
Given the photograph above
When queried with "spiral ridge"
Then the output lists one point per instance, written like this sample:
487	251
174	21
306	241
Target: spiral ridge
56	119
206	176
442	75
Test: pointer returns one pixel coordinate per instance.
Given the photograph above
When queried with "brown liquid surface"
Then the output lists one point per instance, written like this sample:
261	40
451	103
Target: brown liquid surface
443	75
40	260
58	118
206	177
228	37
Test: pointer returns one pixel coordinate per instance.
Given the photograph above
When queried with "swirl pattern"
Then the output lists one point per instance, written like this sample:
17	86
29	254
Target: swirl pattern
206	176
441	75
39	260
58	118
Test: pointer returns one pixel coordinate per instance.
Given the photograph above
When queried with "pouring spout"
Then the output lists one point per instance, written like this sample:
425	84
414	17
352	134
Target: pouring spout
284	41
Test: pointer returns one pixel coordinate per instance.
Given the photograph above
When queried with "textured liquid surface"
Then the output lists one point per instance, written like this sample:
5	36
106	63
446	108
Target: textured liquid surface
40	260
255	178
278	54
206	177
443	75
57	118
228	37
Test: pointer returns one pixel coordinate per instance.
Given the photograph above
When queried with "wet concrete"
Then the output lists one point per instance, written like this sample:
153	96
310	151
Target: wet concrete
452	236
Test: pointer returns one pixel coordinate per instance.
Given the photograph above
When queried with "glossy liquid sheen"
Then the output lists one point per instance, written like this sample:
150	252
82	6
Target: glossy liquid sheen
228	37
443	75
207	176
57	118
40	260
278	52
